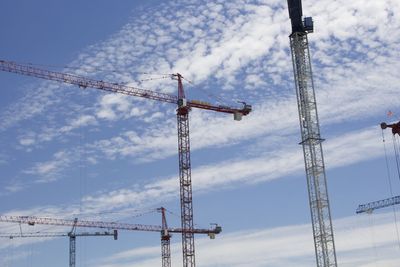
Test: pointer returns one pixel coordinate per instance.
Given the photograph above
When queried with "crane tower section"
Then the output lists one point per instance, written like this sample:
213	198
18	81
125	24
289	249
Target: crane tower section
311	140
185	177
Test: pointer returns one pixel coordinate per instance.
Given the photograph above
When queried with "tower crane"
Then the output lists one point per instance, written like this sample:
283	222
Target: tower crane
72	239
164	229
183	109
311	140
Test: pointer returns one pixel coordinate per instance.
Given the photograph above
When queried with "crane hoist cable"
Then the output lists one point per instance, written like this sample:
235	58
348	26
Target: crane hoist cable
391	188
396	154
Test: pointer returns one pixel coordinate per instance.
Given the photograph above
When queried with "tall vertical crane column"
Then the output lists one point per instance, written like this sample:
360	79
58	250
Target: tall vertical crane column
165	241
311	138
185	177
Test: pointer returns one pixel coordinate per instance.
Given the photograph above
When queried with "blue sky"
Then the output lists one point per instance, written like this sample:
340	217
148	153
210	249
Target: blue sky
67	152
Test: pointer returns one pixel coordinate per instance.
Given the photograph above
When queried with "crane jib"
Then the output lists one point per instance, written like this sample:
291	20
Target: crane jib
32	220
84	82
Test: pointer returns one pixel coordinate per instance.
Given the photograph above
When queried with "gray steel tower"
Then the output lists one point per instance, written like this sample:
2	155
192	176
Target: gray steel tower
310	137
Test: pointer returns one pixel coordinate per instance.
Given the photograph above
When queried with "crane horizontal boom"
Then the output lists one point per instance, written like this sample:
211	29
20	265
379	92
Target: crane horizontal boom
84	82
371	206
54	234
32	220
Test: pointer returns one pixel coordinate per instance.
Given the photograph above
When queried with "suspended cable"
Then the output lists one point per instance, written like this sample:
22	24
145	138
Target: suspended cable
396	153
91	68
391	189
125	214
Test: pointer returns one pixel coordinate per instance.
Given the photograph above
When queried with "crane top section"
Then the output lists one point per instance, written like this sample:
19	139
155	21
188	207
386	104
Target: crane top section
296	16
32	220
84	82
395	127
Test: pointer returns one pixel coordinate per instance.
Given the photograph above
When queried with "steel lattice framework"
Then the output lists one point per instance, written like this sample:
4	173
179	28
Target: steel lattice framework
312	150
185	178
165	241
371	206
32	220
184	107
72	250
163	229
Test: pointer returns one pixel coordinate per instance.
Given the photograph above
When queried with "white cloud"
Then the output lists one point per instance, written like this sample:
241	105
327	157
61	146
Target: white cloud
15	187
48	134
110	102
51	170
290	245
341	151
356	58
250	40
84	120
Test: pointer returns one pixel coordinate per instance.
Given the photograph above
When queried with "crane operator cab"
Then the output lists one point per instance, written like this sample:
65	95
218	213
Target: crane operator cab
395	127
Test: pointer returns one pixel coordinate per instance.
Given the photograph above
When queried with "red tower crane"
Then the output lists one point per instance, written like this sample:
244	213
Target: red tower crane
184	106
164	229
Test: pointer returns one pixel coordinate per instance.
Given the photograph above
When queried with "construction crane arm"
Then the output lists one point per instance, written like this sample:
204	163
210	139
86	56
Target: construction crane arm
371	206
56	234
84	82
32	220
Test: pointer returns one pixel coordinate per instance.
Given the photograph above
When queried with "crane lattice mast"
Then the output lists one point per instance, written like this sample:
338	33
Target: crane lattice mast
184	106
311	140
185	176
165	241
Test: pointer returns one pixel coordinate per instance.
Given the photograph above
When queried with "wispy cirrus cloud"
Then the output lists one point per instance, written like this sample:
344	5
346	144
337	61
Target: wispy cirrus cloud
31	139
239	45
342	151
281	246
51	170
237	50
